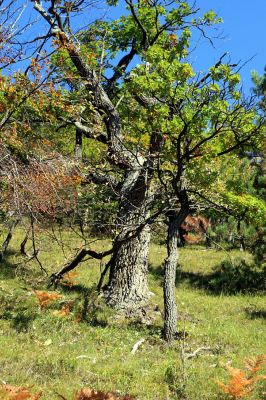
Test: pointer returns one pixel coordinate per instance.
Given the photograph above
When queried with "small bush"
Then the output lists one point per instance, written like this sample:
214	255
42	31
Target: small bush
176	379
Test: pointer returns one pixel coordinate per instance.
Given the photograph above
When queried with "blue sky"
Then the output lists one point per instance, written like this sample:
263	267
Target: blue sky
244	36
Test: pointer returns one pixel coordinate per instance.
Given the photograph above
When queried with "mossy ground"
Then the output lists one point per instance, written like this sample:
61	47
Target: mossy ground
92	346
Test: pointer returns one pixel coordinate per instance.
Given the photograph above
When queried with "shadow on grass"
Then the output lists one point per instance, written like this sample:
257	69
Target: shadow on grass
255	314
22	321
151	330
192	278
154	333
227	277
20	318
157	273
91	309
76	288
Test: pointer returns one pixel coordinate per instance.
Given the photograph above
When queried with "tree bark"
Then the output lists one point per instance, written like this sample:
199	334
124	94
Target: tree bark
23	245
127	287
170	309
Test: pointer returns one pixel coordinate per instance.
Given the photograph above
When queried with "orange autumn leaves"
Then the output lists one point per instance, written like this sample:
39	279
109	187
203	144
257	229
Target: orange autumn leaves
9	392
69	279
65	310
89	394
45	298
242	381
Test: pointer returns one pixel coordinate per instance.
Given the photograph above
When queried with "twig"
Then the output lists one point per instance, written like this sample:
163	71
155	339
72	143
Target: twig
36	251
60	396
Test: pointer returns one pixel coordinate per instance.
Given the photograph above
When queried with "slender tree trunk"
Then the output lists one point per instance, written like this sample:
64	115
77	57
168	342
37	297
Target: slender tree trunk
8	238
127	287
78	145
170	308
23	244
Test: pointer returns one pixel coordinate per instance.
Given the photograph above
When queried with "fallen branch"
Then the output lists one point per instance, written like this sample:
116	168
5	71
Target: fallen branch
136	346
196	352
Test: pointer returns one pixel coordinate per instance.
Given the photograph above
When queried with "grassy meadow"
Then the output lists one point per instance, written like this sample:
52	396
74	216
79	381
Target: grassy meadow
90	345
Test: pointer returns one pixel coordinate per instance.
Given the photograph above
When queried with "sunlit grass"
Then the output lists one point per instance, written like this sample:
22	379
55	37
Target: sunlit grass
62	355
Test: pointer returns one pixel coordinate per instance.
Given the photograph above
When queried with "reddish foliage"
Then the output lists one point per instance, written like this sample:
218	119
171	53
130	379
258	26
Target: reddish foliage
65	310
45	298
90	394
241	383
194	228
19	393
69	278
193	239
23	393
40	188
197	224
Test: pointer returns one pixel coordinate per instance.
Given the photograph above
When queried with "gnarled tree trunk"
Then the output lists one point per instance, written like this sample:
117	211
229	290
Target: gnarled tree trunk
127	287
127	284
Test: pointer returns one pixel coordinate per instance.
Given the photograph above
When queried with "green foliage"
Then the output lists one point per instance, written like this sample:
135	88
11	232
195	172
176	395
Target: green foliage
230	232
260	87
198	116
252	207
259	246
211	17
